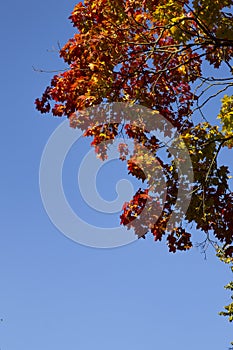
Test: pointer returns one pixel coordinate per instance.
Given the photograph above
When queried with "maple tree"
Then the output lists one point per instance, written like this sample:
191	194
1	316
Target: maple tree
164	55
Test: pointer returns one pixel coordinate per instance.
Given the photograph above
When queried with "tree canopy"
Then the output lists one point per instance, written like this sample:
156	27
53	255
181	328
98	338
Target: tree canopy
174	58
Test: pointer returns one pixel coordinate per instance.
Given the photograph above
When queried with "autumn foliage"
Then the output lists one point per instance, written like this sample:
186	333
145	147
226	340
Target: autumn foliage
150	53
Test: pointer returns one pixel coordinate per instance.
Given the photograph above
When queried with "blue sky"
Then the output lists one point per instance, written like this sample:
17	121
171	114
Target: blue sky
57	294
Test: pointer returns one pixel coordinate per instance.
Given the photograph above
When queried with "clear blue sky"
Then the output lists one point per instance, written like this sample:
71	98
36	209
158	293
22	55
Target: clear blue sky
57	294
